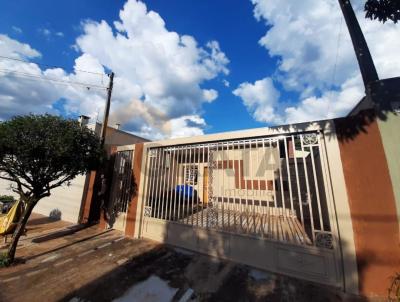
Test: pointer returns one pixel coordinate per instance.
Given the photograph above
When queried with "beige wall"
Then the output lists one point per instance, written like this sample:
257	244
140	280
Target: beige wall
117	137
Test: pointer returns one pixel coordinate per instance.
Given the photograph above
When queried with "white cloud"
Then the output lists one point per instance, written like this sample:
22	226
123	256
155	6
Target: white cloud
210	94
167	68
226	83
16	29
22	91
45	32
260	99
159	73
303	36
16	49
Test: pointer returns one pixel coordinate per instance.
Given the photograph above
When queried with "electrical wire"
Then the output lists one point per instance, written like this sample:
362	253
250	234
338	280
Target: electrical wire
33	77
337	51
46	65
336	61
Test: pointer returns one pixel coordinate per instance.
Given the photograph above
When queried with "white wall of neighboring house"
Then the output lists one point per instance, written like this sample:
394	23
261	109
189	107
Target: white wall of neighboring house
65	199
68	199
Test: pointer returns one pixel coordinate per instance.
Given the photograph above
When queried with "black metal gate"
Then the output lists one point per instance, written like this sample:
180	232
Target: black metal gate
122	187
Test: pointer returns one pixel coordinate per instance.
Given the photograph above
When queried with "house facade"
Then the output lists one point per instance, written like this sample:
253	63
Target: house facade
315	200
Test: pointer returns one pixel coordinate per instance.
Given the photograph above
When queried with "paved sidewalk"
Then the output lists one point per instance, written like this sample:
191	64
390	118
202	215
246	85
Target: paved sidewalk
66	263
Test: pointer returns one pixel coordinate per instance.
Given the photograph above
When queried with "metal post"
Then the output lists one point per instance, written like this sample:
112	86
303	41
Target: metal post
107	110
367	67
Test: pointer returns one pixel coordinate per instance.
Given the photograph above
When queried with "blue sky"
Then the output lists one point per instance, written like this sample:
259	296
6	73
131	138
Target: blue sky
284	62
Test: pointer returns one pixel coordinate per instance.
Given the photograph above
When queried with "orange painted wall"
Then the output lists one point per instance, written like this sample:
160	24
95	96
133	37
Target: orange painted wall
371	201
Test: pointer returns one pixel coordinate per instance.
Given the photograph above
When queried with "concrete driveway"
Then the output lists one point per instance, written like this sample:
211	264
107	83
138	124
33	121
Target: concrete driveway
74	264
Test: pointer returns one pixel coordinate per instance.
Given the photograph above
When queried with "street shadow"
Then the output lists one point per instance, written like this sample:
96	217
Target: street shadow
160	261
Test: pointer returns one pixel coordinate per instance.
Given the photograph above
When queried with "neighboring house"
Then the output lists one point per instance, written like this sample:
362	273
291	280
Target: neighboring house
65	202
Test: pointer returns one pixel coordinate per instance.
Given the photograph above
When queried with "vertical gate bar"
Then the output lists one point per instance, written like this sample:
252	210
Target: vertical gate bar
280	177
231	201
288	172
236	188
128	182
298	181
246	188
202	189
272	153
165	186
184	188
123	180
152	184
223	186
267	157
147	179
326	177
162	179
191	182
308	191
158	179
164	183
167	171
209	182
217	183
121	199
260	206
252	184
226	187
241	175
202	198
169	184
193	185
198	185
180	161
316	188
174	182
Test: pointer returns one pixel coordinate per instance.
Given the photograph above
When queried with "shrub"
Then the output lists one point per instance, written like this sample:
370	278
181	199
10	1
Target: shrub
7	199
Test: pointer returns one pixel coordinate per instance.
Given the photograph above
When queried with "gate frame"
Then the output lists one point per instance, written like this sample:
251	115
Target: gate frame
130	148
345	257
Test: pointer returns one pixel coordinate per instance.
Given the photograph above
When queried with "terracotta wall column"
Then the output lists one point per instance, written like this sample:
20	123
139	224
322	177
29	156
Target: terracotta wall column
371	201
87	196
133	206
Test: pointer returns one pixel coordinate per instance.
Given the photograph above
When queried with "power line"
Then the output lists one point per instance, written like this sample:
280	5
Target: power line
29	76
336	61
46	65
337	52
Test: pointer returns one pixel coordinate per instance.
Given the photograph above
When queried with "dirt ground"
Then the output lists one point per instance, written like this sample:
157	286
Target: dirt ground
61	262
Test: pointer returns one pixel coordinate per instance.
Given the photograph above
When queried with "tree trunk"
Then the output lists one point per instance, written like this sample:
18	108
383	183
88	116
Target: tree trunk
20	229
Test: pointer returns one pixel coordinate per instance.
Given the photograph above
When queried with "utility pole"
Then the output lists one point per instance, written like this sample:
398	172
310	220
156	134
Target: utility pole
367	67
107	110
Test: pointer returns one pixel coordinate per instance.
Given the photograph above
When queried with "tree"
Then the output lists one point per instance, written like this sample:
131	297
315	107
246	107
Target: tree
383	10
39	153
